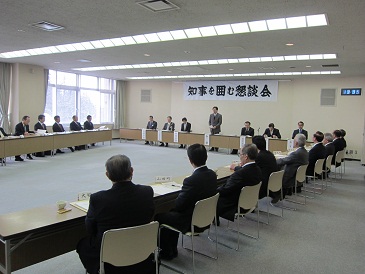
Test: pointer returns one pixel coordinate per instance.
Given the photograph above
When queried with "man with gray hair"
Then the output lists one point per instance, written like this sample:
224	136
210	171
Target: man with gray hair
292	162
328	145
123	205
248	175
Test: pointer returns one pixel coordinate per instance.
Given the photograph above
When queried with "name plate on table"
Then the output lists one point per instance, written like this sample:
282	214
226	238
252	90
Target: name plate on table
242	141
163	179
267	143
176	136
159	135
206	139
143	134
83	196
290	145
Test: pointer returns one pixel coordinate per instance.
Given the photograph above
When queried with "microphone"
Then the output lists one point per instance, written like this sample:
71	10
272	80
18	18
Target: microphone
258	131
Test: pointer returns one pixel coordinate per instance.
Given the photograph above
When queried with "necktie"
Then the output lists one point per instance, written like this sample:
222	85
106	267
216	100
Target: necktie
25	129
300	131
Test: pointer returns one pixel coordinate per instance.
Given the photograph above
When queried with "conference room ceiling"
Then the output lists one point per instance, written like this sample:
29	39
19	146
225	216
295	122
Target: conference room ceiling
85	20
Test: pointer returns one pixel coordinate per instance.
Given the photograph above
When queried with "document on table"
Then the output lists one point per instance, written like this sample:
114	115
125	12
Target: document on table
82	205
165	188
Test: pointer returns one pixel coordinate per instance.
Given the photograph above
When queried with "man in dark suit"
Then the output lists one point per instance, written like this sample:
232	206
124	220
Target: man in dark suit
151	125
185	127
318	151
200	185
170	126
248	175
76	126
292	162
272	132
23	129
124	205
58	127
343	134
338	144
330	149
300	130
88	125
247	130
215	122
40	125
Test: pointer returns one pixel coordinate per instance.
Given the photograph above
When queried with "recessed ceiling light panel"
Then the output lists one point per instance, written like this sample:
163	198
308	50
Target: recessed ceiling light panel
158	5
47	26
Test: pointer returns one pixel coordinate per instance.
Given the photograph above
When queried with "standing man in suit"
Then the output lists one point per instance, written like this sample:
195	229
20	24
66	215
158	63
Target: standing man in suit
58	127
292	162
170	126
215	122
89	125
76	126
200	185
300	130
272	132
338	144
23	129
151	125
41	125
123	205
247	130
248	175
318	151
185	127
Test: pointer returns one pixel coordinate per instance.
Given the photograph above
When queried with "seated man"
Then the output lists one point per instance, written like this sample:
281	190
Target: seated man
76	126
23	129
170	126
58	127
248	175
318	151
300	130
338	144
185	127
200	185
247	130
42	126
272	132
124	205
88	125
330	149
292	162
151	125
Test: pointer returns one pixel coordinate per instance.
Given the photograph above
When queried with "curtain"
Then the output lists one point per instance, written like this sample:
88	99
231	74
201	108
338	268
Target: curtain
119	104
5	80
46	77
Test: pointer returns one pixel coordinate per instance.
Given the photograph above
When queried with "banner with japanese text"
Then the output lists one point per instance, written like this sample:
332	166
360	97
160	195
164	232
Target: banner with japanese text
255	90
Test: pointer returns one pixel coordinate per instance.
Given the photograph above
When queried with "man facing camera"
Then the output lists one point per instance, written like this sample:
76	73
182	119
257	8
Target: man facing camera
76	126
23	129
185	127
88	124
248	175
40	125
272	132
200	185
247	130
170	126
58	127
123	205
215	122
151	125
300	130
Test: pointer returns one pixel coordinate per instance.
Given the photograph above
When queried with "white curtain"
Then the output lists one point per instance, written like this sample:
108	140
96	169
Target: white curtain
46	76
119	104
5	80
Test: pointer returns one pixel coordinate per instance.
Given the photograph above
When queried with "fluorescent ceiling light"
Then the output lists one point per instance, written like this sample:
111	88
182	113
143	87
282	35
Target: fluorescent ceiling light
257	26
193	33
266	59
78	46
152	37
87	45
254	59
128	40
296	22
278	58
140	39
178	34
207	31
232	61
290	58
244	60
316	20
240	28
97	44
61	48
107	43
329	56
302	57
117	42
316	56
223	29
165	36
275	24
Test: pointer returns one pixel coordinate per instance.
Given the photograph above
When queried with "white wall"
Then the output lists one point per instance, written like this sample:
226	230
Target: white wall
297	100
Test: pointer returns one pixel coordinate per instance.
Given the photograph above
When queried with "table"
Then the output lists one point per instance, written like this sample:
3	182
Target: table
34	235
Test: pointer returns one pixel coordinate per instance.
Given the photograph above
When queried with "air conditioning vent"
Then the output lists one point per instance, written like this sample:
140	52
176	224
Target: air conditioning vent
330	66
145	95
158	5
328	97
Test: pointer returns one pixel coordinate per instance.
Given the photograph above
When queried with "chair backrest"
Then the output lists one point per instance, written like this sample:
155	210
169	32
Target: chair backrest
249	197
328	162
205	211
339	157
300	177
275	181
318	167
130	245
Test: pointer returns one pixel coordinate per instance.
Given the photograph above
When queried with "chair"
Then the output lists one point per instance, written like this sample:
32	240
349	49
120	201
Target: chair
318	169
203	216
338	161
299	177
248	202
327	168
128	246
275	184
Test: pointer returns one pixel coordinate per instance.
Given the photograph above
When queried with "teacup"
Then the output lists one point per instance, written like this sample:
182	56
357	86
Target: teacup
61	205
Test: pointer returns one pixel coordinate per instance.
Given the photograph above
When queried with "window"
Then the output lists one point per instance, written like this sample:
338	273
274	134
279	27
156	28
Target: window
69	94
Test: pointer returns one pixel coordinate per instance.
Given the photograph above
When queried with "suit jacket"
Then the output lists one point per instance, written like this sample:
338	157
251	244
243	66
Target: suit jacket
344	143
291	163
88	125
58	128
339	145
249	131
330	149
39	125
267	163
274	132
248	175
188	127
19	129
151	125
318	151
170	127
3	132
123	205
215	121
75	126
295	132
